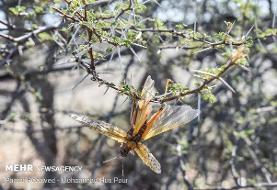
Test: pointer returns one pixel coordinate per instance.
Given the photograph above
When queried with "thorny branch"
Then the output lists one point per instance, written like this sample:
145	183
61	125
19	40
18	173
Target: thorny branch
238	54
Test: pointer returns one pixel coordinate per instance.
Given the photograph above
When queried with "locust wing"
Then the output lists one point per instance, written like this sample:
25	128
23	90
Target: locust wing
171	118
147	157
148	89
102	127
143	106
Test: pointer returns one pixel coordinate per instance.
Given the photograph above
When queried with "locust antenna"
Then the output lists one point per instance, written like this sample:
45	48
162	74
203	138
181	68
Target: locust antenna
118	157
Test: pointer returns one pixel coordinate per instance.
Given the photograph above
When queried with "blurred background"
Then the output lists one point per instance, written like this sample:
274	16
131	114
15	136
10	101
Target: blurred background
231	144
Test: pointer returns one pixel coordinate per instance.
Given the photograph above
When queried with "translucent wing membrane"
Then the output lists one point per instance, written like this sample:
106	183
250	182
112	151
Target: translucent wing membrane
148	158
171	118
143	107
148	89
102	127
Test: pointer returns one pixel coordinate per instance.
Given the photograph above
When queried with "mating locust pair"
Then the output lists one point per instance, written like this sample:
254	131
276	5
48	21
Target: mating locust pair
143	125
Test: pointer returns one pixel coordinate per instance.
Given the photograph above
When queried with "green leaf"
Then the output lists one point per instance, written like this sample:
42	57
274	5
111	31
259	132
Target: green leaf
208	96
18	10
